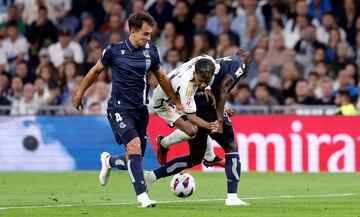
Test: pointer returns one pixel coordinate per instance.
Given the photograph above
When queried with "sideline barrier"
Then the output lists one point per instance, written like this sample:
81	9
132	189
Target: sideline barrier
266	143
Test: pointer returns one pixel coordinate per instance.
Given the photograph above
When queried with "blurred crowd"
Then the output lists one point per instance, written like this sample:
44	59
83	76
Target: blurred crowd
305	52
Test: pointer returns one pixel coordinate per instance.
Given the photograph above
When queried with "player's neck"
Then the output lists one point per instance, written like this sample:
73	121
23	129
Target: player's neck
133	43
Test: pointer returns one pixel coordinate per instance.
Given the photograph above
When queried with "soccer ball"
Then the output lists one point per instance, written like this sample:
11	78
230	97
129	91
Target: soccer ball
183	185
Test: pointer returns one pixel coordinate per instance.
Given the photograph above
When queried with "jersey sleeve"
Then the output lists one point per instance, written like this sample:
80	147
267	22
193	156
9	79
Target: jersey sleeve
155	59
186	93
106	56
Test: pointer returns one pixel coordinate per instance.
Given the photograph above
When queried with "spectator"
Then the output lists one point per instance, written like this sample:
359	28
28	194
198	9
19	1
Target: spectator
181	17
172	60
259	55
167	38
347	17
101	96
277	52
31	11
244	96
41	33
13	14
328	23
240	22
213	24
180	46
318	8
199	21
263	96
16	90
344	101
22	71
94	109
56	50
162	12
42	94
252	34
225	22
342	58
288	77
302	95
325	94
87	31
3	61
265	75
26	105
15	45
306	46
345	81
201	46
115	26
61	9
4	84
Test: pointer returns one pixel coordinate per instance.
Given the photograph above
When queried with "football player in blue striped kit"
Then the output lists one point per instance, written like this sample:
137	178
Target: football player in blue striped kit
130	62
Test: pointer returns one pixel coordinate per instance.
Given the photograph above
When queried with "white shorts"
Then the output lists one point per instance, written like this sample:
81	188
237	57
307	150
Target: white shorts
164	107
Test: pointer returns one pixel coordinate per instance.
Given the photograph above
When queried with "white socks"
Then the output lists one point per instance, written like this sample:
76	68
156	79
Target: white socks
175	137
232	196
209	154
151	176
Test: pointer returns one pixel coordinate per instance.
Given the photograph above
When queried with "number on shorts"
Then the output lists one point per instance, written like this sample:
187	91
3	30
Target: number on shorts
118	117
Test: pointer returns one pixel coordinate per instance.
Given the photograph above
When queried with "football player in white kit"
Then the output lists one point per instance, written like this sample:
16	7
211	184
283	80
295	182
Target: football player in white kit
185	80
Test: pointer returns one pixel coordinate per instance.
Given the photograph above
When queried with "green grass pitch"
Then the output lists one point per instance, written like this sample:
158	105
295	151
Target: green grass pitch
270	194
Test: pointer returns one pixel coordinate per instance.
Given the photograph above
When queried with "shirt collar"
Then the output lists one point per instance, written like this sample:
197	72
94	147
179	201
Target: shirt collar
129	45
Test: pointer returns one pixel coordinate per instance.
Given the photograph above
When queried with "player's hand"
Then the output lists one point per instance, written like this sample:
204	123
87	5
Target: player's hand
77	101
214	126
179	107
229	112
208	94
220	129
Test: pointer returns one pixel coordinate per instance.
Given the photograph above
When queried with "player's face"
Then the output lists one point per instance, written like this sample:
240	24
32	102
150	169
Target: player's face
201	81
142	36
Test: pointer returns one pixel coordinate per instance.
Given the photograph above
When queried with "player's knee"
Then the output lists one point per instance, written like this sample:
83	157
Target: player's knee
191	131
233	147
134	146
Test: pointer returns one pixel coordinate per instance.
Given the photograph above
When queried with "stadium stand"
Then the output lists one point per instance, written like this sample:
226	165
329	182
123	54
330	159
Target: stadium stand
304	51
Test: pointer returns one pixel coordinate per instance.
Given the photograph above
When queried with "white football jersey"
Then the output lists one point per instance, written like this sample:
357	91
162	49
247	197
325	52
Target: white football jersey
183	83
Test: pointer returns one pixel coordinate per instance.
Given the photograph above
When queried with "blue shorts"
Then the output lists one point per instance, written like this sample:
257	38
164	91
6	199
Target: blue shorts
129	124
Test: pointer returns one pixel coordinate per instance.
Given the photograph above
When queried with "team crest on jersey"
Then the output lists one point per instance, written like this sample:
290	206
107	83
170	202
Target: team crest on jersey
146	53
122	125
188	103
122	52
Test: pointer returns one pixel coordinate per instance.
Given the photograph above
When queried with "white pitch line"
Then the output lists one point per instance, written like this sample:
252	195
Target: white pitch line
173	201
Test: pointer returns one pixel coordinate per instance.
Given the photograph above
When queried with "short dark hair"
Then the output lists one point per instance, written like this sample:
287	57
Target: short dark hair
136	20
12	23
344	93
205	67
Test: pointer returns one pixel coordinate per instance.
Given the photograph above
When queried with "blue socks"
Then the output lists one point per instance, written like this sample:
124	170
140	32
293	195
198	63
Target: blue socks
174	166
136	173
118	161
232	170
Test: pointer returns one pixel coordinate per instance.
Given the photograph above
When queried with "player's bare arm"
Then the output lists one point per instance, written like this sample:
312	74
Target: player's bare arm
89	79
221	97
165	84
197	121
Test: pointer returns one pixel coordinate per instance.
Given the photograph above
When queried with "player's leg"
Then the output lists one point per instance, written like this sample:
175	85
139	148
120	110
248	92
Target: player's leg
135	149
232	163
176	165
210	159
185	130
108	161
129	128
